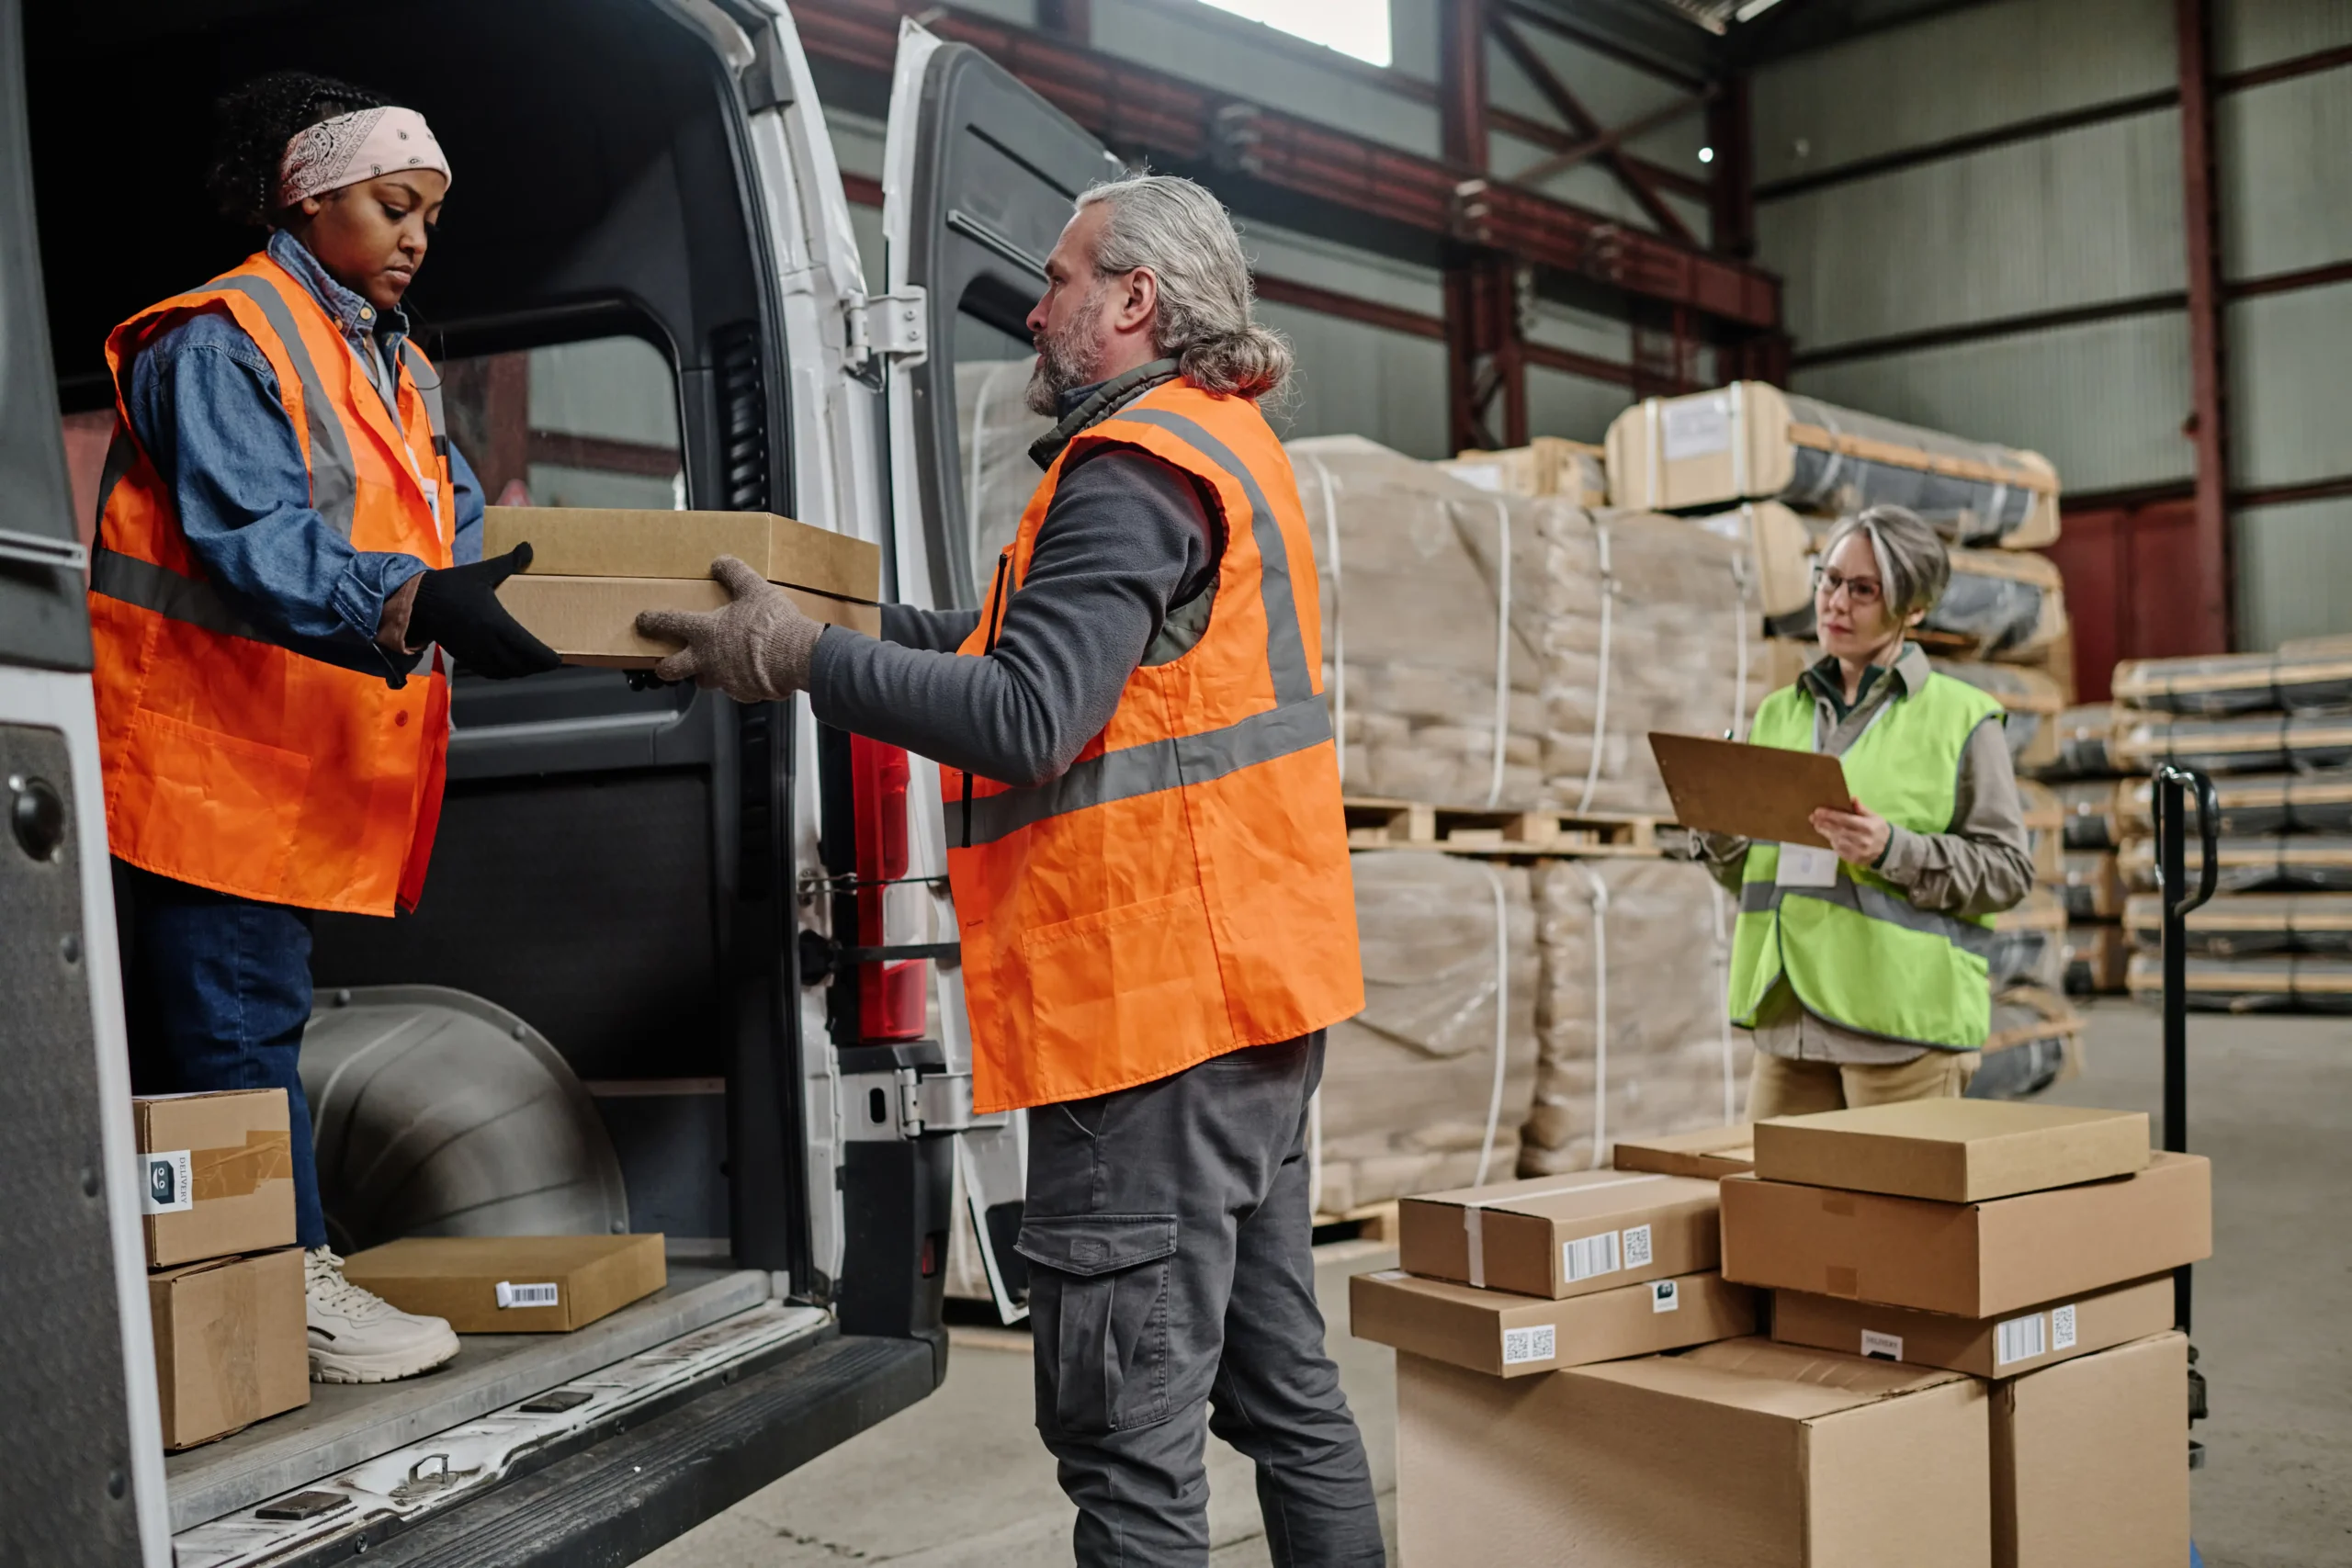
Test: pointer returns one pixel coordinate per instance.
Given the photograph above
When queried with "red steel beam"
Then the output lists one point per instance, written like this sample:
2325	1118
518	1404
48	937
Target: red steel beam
2209	596
1348	307
1462	92
1133	106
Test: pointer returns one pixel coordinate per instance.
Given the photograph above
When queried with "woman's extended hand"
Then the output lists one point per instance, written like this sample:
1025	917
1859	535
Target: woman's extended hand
1859	836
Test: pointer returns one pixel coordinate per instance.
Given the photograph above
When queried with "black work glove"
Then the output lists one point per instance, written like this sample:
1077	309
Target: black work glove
458	607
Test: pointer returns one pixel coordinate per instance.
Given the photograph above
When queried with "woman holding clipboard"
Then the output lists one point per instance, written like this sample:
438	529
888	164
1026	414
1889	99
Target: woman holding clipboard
1860	968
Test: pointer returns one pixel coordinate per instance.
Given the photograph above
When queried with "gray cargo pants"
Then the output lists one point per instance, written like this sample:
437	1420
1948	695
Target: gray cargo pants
1172	1276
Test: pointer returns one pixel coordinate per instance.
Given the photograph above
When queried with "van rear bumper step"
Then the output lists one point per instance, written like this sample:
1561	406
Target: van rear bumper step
617	1501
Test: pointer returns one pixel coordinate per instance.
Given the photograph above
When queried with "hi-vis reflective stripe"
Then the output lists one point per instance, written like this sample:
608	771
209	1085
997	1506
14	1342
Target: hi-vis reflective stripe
335	477
431	392
1872	903
165	592
1286	647
1147	770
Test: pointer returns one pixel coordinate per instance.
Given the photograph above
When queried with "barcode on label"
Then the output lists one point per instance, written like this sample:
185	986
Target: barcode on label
511	1295
2062	1327
1637	1246
1538	1344
2020	1339
1588	1256
1882	1346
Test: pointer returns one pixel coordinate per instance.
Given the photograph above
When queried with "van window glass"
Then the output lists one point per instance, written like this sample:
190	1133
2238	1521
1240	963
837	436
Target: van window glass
993	430
592	424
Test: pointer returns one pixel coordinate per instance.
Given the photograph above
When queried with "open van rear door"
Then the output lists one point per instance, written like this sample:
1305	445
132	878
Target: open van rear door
980	175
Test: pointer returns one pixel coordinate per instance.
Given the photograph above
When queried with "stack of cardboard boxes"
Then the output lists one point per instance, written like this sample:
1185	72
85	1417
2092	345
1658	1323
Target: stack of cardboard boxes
1968	1356
224	1283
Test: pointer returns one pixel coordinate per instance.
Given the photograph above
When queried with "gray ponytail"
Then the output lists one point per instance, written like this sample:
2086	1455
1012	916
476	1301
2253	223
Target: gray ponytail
1179	232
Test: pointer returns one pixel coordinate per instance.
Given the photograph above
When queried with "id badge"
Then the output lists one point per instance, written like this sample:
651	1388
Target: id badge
1802	866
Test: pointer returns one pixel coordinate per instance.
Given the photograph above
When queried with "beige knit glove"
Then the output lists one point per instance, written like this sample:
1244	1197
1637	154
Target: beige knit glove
756	651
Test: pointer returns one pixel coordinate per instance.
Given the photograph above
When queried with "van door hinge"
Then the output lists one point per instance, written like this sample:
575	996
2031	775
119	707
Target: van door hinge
906	1103
888	329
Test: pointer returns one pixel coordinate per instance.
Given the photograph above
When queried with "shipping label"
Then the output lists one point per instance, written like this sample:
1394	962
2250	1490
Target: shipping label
1540	1343
1666	1295
1697	427
166	1184
2062	1327
513	1295
1882	1346
2019	1340
1589	1257
1637	1246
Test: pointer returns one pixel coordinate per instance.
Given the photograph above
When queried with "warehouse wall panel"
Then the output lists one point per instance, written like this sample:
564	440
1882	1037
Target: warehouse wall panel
2292	564
1581	332
2283	150
2248	33
1964	72
2290	421
2104	402
2086	216
1573	406
1354	379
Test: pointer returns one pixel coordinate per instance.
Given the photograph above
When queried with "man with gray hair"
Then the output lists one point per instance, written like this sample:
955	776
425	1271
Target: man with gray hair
1151	870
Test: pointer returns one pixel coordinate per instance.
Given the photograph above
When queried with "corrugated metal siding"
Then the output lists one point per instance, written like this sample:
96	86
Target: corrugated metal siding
1306	259
1358	381
2103	403
1187	42
2292	565
2090	215
1572	406
1581	332
2255	32
1967	71
2283	150
2290	421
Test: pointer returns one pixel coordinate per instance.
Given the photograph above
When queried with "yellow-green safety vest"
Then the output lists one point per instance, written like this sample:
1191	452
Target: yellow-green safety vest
1861	953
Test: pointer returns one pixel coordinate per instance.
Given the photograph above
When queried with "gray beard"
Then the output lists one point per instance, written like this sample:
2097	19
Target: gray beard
1063	362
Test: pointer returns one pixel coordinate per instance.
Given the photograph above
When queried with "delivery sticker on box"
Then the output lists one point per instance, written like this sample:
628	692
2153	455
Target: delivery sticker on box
165	1186
1666	1295
1882	1346
1587	1256
513	1296
2019	1340
1540	1343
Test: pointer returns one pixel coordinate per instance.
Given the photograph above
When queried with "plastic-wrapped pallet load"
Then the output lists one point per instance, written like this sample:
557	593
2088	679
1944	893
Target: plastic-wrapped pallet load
2029	943
2031	699
2092	889
2273	983
2091	811
2238	683
1632	1037
2241	924
2087	734
2319	862
1573	470
1426	1088
2045	824
1750	441
2096	957
1779	544
2036	1041
1447	608
2251	804
2270	743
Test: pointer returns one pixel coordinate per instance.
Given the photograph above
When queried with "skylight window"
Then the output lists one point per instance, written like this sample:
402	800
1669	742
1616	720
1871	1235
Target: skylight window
1359	28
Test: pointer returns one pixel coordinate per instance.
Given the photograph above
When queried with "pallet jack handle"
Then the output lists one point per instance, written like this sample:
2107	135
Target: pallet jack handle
2172	784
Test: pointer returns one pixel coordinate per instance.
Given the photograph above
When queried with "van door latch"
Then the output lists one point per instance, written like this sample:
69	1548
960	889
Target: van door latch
905	1103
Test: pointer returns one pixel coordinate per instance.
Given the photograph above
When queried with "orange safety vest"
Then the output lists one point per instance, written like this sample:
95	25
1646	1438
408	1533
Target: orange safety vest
1182	890
230	761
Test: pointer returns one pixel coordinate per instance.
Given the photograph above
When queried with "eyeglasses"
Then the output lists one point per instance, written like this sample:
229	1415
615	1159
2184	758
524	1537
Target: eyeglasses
1858	589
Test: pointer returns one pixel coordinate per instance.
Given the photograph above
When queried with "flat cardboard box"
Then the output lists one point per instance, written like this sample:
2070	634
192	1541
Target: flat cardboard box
592	620
231	1345
1710	1154
1561	1235
215	1174
1510	1335
586	541
1743	1454
1986	1259
1984	1346
512	1284
1955	1151
2090	1460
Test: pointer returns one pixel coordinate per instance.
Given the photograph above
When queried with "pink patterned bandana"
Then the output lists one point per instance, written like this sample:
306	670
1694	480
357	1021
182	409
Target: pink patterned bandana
354	147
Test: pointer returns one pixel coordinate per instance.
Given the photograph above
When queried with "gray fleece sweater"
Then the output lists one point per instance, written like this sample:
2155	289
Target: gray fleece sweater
1128	538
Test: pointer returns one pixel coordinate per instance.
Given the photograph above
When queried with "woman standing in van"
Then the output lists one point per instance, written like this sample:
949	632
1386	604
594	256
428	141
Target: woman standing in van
287	546
1862	968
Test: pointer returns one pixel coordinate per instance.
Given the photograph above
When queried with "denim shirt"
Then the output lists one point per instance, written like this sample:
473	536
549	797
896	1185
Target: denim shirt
204	404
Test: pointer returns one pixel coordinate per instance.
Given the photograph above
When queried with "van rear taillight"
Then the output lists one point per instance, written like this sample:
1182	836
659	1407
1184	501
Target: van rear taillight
890	995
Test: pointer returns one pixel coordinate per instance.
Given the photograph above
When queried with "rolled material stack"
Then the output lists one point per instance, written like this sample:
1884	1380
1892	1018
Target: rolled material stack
2275	731
2078	765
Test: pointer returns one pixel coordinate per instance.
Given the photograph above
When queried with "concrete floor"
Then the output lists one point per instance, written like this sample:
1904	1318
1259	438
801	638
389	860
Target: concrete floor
959	1481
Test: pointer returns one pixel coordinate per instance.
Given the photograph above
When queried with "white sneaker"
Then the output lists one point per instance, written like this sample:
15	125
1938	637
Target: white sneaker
358	1337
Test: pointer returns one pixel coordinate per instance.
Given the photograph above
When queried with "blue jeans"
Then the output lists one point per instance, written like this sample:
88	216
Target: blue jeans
217	990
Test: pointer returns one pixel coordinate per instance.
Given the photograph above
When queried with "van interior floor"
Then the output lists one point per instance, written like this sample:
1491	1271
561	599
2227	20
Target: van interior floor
348	1424
959	1481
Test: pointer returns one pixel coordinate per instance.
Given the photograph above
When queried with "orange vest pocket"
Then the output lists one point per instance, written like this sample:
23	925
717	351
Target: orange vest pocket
1139	981
203	786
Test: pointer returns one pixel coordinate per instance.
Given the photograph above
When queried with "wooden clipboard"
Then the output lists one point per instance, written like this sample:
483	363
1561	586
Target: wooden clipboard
1758	792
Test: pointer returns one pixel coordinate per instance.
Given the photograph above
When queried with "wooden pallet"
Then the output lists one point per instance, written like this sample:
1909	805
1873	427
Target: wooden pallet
1378	824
